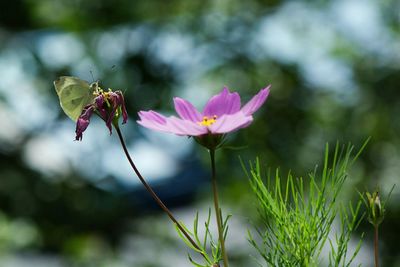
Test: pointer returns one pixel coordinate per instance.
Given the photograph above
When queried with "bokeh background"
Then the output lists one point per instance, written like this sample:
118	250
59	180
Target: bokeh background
334	67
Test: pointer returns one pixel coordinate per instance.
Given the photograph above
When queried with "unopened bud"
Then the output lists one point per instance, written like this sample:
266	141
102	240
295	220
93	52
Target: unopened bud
375	211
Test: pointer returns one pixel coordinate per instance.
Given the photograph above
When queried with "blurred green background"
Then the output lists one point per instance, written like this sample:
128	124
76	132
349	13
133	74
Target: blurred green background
334	67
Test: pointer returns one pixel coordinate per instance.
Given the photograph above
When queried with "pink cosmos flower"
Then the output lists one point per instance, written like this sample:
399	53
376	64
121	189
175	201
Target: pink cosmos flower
222	114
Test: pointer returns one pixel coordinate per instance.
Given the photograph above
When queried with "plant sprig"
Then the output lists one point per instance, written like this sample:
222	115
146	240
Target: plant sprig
207	246
298	214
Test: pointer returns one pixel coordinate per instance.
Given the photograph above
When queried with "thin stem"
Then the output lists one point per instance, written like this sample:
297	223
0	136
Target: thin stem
376	246
217	209
152	193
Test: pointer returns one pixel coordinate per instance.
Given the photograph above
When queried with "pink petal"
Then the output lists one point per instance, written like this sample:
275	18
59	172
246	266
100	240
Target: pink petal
230	123
158	122
152	116
185	127
255	103
186	110
223	103
154	126
153	120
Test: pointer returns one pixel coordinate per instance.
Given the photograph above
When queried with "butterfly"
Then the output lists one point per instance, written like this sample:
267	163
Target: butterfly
75	94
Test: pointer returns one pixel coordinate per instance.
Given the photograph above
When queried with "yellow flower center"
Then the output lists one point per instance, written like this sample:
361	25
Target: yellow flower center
100	91
105	94
207	121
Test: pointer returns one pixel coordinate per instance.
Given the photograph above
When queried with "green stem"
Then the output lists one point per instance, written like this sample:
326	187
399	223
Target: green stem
376	246
217	209
152	193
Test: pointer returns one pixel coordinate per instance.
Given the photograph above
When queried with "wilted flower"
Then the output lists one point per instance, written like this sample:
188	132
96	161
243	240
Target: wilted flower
108	105
222	114
83	121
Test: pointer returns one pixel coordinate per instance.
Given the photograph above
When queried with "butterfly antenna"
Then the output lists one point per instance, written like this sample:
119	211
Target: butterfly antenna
91	74
124	91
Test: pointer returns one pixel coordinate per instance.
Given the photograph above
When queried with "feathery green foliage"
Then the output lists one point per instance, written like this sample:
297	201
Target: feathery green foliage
207	244
298	214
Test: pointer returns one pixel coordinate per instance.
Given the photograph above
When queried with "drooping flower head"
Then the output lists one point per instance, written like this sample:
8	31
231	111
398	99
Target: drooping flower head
108	105
221	115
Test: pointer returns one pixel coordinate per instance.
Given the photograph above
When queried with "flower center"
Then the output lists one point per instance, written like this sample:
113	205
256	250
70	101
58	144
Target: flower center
207	121
100	91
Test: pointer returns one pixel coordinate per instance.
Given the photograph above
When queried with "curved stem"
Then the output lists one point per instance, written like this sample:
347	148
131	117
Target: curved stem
376	247
152	193
217	209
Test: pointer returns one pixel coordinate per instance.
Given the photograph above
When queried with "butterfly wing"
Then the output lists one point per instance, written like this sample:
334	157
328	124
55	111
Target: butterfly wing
74	95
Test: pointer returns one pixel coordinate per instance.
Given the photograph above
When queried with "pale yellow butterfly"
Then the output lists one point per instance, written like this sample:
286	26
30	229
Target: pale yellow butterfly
75	94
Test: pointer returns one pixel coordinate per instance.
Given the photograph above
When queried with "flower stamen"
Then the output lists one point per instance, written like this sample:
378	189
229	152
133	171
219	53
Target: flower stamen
207	121
105	94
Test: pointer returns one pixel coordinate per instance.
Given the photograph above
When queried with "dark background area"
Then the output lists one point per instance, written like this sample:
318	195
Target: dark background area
334	67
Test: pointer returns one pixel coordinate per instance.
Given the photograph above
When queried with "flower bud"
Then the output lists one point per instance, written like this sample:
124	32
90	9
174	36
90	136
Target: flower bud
375	210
